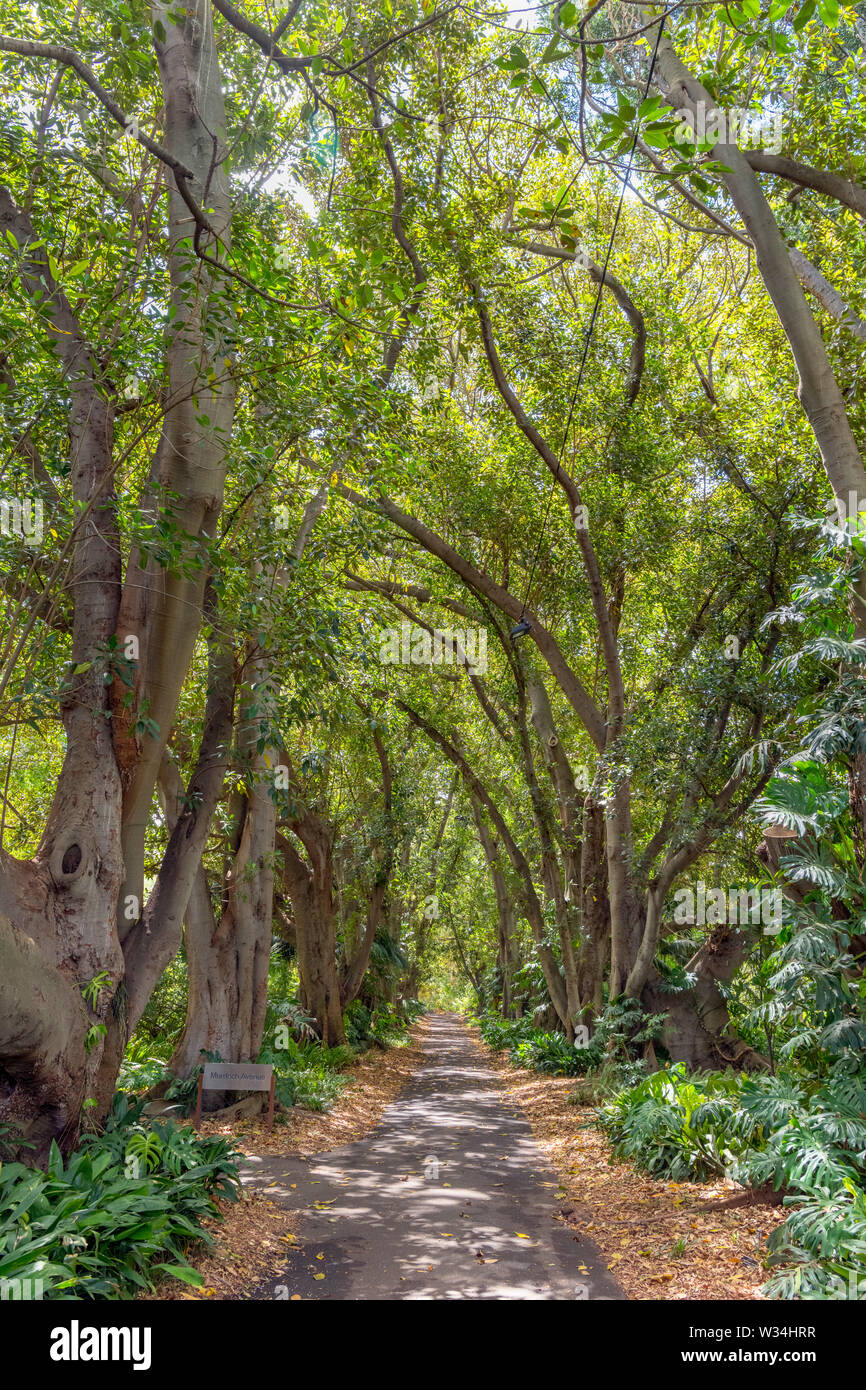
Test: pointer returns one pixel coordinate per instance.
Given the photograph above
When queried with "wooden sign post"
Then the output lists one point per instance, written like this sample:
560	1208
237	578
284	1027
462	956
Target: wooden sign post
236	1076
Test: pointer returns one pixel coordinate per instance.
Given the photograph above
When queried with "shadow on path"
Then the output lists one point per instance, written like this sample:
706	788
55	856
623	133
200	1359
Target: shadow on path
450	1173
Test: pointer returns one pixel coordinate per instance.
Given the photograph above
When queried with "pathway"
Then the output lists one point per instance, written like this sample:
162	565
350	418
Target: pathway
448	1197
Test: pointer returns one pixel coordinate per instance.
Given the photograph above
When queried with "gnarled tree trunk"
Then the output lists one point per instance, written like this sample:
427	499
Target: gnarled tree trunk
697	1028
66	906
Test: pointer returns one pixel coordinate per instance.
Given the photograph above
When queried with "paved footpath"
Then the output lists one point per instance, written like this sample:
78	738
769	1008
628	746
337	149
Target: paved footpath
448	1197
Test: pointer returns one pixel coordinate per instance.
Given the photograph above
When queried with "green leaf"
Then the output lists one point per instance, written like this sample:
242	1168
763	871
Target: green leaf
658	139
183	1272
649	107
553	52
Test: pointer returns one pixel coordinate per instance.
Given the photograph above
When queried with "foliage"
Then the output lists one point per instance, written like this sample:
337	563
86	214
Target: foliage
112	1216
306	1073
551	1053
619	1031
141	1067
808	1141
358	1022
443	213
162	1021
11	1138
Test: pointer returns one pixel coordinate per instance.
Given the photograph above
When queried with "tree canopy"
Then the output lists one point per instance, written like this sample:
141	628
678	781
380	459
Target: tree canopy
431	559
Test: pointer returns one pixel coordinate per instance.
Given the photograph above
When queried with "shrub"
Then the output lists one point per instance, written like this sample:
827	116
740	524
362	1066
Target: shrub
502	1034
806	1140
164	1016
142	1067
358	1021
388	1027
306	1073
550	1053
654	1124
126	1205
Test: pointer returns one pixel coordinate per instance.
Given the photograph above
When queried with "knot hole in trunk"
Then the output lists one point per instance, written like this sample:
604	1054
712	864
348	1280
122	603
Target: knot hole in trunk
72	854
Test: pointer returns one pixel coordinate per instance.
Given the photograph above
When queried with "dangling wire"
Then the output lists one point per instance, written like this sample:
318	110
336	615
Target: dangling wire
523	624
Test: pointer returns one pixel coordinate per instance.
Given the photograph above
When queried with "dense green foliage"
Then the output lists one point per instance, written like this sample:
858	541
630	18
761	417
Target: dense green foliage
114	1215
429	428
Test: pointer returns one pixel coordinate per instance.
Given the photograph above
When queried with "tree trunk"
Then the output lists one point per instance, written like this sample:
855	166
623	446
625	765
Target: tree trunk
42	1078
310	887
357	966
697	1028
594	953
66	904
62	905
505	914
228	963
818	390
162	607
317	957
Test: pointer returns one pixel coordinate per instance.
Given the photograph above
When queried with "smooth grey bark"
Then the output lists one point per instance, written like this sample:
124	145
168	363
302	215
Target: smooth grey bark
697	1028
310	885
829	298
356	966
44	1023
818	390
228	957
60	902
850	194
163	608
551	870
68	900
